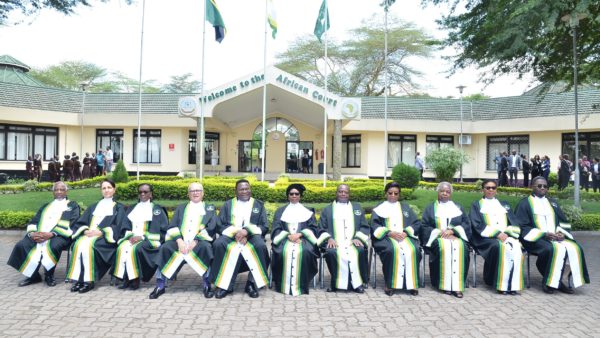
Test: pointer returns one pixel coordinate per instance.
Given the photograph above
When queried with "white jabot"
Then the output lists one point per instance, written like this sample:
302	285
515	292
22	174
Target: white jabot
342	211
447	210
53	214
104	208
141	213
242	212
296	213
492	206
196	208
389	210
541	206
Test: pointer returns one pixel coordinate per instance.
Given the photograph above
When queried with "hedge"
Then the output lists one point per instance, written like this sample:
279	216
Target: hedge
587	222
15	219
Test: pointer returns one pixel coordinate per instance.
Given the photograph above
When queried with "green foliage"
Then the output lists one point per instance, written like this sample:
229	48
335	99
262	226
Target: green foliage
572	213
120	175
523	37
445	162
30	185
553	179
587	222
355	65
69	74
407	176
15	219
182	84
30	7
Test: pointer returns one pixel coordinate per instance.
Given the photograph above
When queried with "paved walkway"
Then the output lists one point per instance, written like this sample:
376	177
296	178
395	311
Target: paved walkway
108	312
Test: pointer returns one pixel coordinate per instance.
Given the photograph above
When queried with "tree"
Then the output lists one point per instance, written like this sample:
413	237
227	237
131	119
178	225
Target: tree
523	37
476	97
69	74
30	7
355	67
182	84
445	162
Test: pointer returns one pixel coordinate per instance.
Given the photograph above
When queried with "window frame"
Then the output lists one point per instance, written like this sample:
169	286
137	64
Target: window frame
402	138
347	140
31	132
207	135
147	133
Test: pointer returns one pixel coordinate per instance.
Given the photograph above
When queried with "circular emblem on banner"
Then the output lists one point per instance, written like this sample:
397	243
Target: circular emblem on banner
350	109
275	135
188	105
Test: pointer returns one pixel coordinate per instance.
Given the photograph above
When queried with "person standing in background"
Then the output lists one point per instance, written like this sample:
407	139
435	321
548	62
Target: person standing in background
420	164
596	174
514	164
29	167
100	163
109	159
546	167
526	170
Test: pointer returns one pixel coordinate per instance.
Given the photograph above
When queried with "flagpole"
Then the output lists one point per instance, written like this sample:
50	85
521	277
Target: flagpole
385	94
325	110
264	103
139	128
200	120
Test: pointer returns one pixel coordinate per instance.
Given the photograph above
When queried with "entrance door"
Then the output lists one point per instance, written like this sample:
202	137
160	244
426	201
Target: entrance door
249	159
299	157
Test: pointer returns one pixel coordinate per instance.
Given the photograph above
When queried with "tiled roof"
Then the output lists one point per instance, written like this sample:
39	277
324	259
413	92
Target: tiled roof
14	71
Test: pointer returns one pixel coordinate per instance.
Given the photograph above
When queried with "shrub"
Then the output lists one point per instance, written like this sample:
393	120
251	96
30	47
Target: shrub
15	219
552	179
572	213
120	175
587	222
445	162
407	176
30	185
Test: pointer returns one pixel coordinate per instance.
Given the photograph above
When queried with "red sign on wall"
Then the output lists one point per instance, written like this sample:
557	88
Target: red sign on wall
171	146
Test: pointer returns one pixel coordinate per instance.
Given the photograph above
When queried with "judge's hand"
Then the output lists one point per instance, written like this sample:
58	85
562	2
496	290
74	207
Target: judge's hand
550	236
357	243
135	239
559	237
241	236
295	238
398	236
331	244
448	234
93	233
502	236
182	247
192	245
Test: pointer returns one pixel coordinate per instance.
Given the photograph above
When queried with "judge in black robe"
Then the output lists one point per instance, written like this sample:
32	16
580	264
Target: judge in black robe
142	232
496	237
446	231
345	238
95	240
295	251
545	232
48	234
241	246
395	229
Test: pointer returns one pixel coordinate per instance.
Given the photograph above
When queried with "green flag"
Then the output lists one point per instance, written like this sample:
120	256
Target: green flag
213	15
272	18
322	21
387	3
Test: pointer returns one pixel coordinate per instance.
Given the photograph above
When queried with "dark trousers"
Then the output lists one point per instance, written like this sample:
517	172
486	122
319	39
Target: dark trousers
514	173
525	179
596	182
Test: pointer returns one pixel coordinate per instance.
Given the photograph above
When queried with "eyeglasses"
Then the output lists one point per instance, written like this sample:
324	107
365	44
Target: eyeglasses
542	186
60	189
294	194
195	191
490	188
144	192
393	193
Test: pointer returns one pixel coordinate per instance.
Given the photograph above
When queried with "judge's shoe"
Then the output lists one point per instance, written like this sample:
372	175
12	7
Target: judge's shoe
389	292
414	292
86	287
31	280
331	289
221	293
565	289
547	289
359	289
500	292
49	279
134	284
125	285
208	292
156	292
458	294
251	290
76	286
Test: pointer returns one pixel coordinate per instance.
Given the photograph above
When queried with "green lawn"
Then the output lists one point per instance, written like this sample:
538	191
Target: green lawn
31	201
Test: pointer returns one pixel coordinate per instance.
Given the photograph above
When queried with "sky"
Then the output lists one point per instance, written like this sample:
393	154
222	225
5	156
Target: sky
109	35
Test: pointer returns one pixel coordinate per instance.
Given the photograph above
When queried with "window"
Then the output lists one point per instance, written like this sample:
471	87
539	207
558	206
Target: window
401	149
19	142
589	145
435	142
149	146
211	147
277	124
350	151
498	144
112	138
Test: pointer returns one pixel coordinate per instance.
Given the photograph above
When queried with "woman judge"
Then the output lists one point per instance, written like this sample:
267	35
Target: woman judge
94	235
141	233
295	252
446	230
496	237
394	231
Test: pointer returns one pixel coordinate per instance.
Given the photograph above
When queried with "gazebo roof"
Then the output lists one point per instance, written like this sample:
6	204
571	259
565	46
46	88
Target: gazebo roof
15	71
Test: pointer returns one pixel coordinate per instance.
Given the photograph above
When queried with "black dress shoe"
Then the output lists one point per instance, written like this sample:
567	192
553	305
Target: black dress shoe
221	293
331	289
31	280
359	289
208	292
513	293
76	287
124	285
500	292
458	294
134	284
86	287
251	290
389	292
156	292
50	281
565	289
414	292
547	289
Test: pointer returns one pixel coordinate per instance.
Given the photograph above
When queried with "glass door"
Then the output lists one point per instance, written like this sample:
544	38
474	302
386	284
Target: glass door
249	156
299	157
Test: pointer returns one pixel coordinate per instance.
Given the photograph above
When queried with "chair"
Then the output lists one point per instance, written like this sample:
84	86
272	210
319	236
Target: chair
372	271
